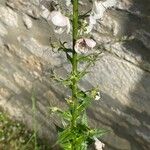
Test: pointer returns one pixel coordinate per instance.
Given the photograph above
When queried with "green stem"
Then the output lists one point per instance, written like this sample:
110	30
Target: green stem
74	64
74	59
75	34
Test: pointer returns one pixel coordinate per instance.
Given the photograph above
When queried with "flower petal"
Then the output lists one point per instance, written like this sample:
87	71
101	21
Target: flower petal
58	19
90	43
98	96
98	144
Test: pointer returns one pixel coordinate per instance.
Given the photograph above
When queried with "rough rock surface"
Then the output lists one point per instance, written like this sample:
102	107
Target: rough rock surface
123	72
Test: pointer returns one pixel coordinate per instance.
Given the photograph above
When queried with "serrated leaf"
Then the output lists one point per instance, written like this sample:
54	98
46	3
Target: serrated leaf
84	119
84	104
81	143
67	115
66	136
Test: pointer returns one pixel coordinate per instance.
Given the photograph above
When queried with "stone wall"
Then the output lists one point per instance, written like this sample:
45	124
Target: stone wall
123	72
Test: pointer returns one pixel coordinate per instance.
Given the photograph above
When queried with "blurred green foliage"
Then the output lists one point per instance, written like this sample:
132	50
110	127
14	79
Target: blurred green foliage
15	136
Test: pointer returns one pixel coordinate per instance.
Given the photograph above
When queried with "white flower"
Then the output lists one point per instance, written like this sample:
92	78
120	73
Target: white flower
98	96
83	45
98	10
61	22
68	2
98	144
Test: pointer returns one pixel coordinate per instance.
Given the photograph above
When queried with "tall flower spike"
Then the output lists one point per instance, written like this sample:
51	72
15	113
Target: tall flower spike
98	144
83	45
61	22
98	10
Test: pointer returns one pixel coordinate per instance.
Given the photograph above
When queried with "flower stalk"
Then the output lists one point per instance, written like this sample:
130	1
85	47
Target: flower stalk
74	66
76	134
74	62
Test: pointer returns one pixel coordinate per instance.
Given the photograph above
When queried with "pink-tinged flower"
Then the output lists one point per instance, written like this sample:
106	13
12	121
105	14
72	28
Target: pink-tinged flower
83	45
61	22
98	144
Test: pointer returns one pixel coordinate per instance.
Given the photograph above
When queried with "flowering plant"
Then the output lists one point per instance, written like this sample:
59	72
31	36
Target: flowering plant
75	133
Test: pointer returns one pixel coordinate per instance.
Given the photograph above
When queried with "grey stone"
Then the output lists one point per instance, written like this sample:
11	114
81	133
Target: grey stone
45	12
35	2
39	50
8	17
27	21
1	42
3	30
122	72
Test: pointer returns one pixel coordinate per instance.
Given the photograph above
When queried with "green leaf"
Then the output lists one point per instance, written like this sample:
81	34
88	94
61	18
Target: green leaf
64	114
84	146
67	115
66	136
84	119
84	104
66	146
86	58
82	74
97	133
82	128
65	82
81	143
81	95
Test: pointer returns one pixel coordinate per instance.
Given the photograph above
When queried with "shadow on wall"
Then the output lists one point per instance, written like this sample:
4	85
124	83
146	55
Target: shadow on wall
140	96
131	123
138	25
141	93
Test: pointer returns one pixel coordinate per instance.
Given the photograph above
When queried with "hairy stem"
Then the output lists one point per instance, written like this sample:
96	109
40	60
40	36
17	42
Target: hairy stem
75	34
74	64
